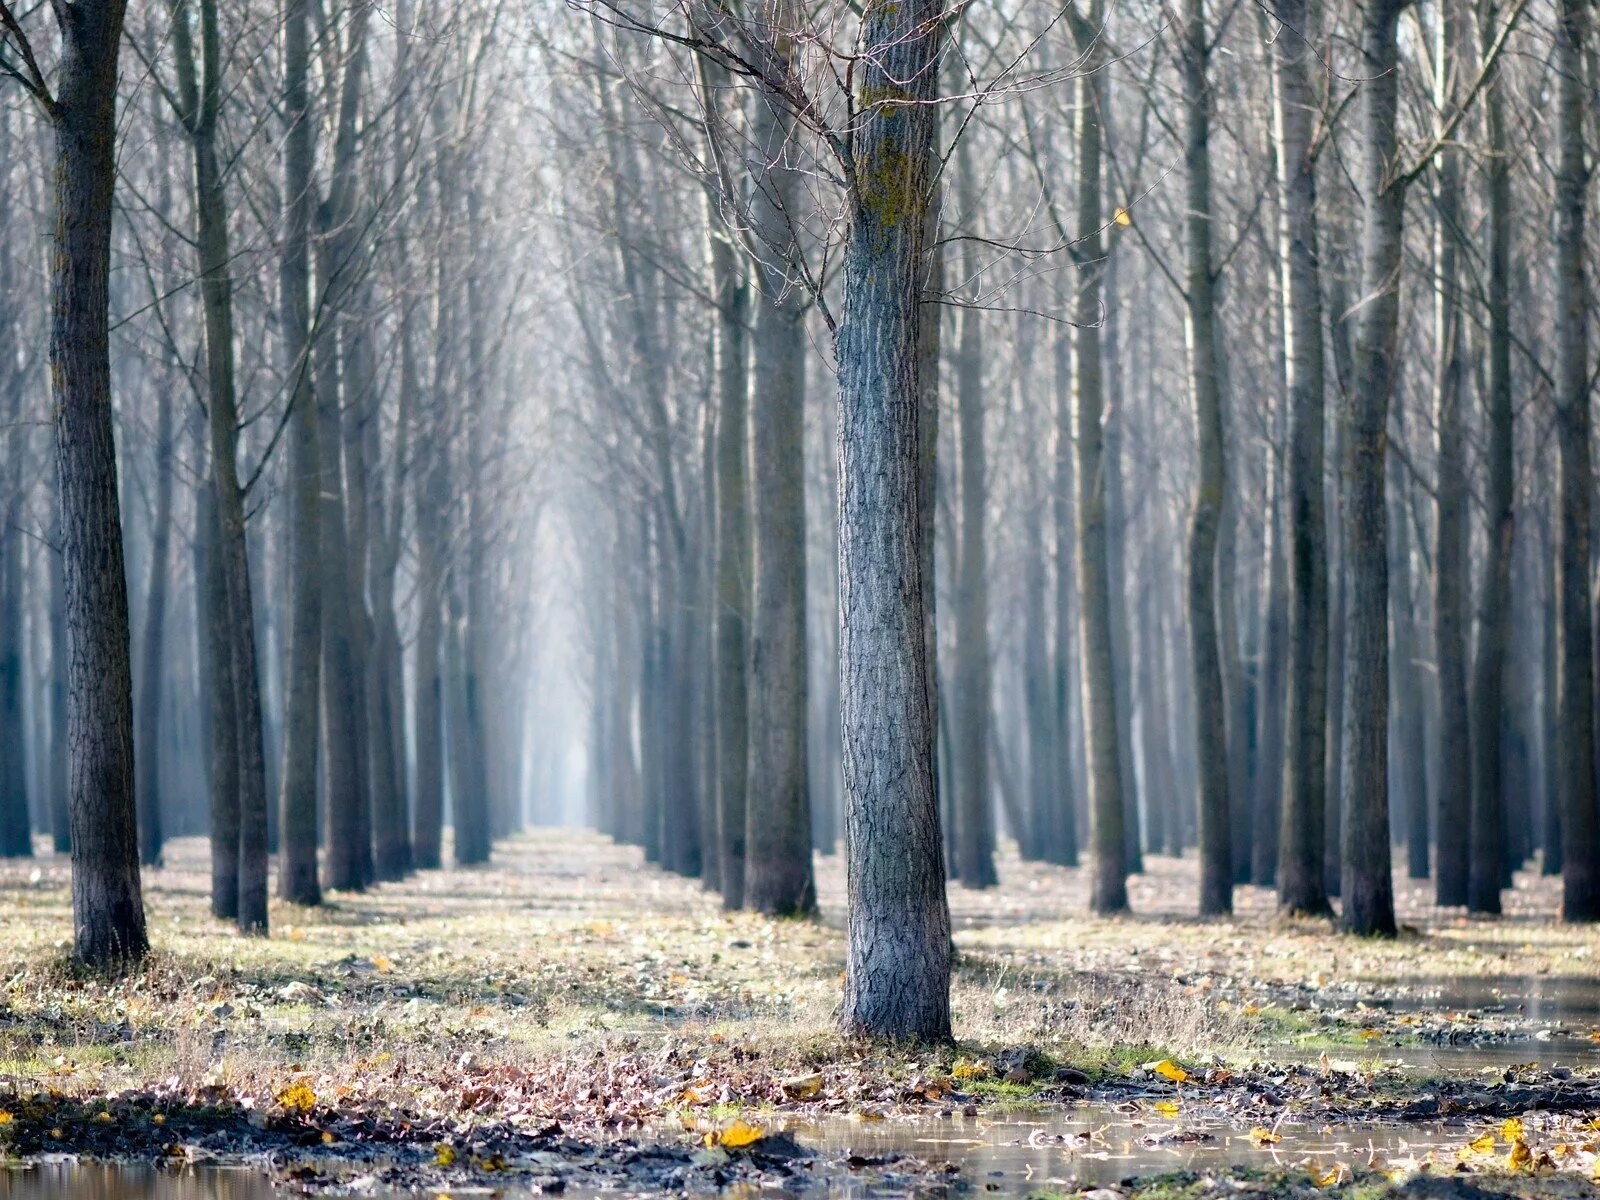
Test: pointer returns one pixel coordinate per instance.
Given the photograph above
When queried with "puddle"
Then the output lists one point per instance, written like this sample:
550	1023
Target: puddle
1012	1156
1095	1144
105	1181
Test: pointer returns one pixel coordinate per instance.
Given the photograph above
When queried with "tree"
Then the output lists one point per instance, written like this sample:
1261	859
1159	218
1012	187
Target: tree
973	687
1211	737
1451	528
1494	607
1367	888
1300	848
107	900
1108	892
897	975
297	870
198	101
1580	824
777	843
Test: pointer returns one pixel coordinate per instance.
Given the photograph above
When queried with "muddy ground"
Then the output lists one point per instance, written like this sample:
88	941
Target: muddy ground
570	1019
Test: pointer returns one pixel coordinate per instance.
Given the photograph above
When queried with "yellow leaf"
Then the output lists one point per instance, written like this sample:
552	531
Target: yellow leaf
444	1155
1483	1144
1262	1136
327	1138
964	1068
1367	1035
1510	1129
1519	1155
5	1118
1250	1010
1168	1069
297	1097
1330	1177
1122	217
383	962
740	1134
1167	1108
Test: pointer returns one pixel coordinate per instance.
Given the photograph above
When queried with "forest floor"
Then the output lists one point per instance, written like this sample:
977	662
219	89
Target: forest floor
570	1018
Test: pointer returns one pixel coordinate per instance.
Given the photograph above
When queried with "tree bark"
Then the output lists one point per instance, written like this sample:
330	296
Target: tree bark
778	810
1452	531
1300	847
1211	735
297	866
1580	823
974	807
1368	889
897	979
152	649
1108	889
107	901
1494	608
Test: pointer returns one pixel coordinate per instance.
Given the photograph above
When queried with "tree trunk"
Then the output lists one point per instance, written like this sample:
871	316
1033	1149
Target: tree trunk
732	553
16	831
1494	609
297	865
778	819
1211	736
1108	891
1580	823
107	902
152	650
1452	621
1068	682
1368	889
1300	847
897	980
974	807
224	717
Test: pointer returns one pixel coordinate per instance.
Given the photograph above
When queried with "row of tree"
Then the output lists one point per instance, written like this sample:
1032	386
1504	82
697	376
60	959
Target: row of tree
476	360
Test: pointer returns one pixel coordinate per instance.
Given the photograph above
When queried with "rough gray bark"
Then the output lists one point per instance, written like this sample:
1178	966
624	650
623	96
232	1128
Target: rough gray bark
1267	801
732	539
348	861
1368	889
778	806
152	648
1494	606
297	864
199	96
1068	663
1580	823
1300	844
897	979
16	831
1108	891
1452	531
217	665
974	807
1211	735
107	903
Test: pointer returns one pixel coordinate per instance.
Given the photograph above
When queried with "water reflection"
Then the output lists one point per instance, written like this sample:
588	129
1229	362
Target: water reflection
1096	1144
106	1181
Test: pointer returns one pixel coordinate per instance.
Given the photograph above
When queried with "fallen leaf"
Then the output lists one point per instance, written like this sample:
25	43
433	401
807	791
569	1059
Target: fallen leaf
297	1097
1519	1155
1482	1144
1511	1129
740	1134
444	1155
1167	1108
1262	1136
1168	1069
